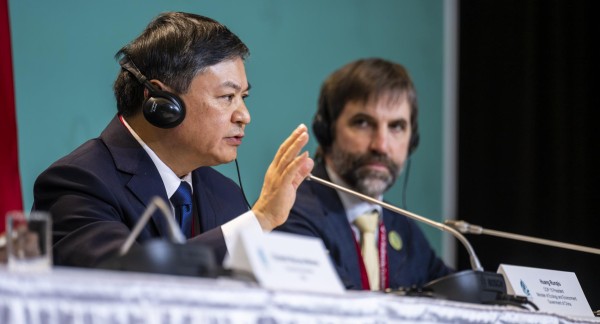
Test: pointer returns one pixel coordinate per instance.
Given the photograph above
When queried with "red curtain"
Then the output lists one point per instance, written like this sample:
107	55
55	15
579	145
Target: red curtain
10	182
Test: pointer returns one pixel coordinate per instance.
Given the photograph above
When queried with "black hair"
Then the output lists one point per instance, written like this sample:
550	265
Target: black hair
174	48
362	80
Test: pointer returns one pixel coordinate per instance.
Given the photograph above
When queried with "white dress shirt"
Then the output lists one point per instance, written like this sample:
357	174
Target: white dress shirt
231	229
353	205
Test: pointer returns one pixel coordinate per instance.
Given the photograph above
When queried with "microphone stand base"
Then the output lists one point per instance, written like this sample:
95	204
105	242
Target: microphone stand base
163	257
470	286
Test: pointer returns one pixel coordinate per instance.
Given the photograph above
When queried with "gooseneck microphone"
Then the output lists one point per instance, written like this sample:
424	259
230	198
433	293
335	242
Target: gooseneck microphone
467	228
172	255
471	286
475	264
175	234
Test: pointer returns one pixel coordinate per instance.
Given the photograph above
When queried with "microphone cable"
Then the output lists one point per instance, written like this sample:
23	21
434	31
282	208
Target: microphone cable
237	167
405	183
513	300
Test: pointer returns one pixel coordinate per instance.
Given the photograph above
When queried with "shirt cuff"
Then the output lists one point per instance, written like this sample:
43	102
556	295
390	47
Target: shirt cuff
232	229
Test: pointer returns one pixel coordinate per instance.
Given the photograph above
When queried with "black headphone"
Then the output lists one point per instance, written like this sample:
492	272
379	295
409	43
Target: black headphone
162	109
321	126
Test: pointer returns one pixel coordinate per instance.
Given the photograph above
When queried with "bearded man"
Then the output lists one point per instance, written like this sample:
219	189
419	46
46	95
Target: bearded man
366	126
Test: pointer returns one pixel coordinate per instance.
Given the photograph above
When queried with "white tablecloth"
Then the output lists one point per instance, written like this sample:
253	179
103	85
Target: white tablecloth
69	295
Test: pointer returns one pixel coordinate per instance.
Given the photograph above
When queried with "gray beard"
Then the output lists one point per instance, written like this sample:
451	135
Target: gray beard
368	182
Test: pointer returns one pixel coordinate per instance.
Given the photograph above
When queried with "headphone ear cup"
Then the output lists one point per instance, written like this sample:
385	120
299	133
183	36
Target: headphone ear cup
163	109
321	130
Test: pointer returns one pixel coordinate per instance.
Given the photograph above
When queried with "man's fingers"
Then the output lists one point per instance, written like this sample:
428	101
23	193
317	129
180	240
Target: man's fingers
284	176
306	167
290	141
292	152
298	170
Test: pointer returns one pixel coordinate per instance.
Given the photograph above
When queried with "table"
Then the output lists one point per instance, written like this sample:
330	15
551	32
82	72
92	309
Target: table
71	295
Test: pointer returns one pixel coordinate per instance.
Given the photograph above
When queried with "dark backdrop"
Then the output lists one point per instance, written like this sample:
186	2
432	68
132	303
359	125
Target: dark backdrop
528	114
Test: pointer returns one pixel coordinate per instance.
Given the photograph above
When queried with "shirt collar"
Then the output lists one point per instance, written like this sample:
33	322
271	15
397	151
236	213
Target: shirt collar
170	180
353	205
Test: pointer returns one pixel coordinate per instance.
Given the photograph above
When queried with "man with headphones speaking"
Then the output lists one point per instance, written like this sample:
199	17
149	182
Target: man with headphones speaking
180	98
366	125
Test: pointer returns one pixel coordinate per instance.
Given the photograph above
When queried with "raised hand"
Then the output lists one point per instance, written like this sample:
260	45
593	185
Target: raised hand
288	169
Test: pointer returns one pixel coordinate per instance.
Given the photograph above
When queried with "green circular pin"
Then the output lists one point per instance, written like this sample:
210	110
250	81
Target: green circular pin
395	240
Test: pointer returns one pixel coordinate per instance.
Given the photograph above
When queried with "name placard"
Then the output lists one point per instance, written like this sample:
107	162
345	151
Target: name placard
283	261
552	291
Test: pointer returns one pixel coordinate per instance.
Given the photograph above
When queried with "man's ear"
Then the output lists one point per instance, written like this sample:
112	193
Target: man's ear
159	85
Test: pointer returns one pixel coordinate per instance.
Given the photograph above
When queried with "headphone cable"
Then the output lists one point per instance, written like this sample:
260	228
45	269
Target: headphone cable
237	167
405	184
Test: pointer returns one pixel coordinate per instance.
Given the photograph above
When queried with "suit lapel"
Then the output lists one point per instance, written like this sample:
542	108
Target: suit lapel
337	228
130	158
396	256
205	212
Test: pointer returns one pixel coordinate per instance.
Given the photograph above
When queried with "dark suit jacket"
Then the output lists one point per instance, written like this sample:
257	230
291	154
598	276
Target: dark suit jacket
318	212
97	193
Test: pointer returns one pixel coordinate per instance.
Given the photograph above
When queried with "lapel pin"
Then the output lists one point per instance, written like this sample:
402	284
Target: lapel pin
395	240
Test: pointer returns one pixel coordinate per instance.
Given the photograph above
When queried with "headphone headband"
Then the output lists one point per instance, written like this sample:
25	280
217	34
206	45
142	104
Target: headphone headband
162	109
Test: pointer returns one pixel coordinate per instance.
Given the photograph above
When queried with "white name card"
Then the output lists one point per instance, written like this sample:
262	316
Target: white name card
282	261
552	291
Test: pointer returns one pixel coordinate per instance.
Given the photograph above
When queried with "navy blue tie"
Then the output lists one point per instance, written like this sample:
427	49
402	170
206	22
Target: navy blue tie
182	201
